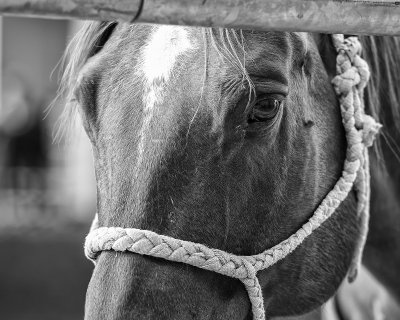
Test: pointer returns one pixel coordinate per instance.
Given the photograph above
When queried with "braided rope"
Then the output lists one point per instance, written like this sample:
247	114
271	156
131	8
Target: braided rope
360	130
353	74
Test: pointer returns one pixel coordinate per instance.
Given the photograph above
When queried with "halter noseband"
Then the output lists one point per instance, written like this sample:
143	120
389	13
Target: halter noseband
361	129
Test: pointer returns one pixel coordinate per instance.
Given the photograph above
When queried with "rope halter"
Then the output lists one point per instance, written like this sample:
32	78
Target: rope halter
361	129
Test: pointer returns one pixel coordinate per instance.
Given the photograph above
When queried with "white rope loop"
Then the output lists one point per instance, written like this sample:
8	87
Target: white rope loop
360	130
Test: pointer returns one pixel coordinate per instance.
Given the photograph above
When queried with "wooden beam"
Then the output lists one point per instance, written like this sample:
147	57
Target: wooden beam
375	17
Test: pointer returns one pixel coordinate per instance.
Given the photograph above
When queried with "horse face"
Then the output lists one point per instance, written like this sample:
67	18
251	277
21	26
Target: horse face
230	139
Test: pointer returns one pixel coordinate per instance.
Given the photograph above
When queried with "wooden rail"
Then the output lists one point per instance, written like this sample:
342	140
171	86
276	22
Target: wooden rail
379	17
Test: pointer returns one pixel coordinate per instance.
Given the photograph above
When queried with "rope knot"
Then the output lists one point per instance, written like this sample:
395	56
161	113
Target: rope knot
352	46
370	129
345	82
363	71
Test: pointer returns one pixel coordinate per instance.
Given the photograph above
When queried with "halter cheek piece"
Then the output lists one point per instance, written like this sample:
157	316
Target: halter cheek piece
351	79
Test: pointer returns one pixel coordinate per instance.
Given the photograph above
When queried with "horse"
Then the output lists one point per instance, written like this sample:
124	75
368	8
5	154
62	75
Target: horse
228	138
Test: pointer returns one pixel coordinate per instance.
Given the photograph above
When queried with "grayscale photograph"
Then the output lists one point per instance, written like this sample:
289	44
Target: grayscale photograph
199	160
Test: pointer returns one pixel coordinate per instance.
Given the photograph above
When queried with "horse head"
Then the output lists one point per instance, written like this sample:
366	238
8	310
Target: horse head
221	137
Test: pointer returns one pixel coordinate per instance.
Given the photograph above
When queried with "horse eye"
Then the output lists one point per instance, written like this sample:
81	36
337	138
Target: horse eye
265	109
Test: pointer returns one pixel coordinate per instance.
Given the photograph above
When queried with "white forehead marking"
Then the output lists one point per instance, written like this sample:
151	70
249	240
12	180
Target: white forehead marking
158	58
160	54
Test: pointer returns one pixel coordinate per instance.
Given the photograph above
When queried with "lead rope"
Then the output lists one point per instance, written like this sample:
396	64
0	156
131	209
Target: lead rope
360	130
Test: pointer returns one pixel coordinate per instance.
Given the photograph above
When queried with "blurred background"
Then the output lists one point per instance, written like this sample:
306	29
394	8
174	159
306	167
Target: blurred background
47	189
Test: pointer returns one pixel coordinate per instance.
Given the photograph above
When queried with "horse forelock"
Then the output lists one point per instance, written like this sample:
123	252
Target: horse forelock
230	45
86	42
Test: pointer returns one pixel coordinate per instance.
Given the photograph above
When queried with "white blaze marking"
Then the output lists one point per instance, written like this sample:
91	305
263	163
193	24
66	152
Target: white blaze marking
165	45
158	59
